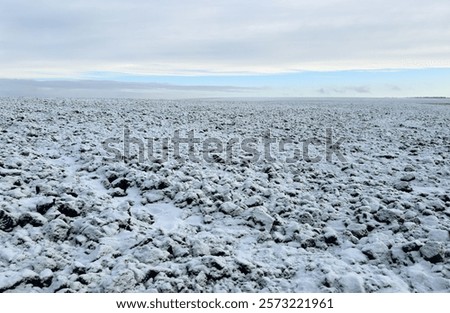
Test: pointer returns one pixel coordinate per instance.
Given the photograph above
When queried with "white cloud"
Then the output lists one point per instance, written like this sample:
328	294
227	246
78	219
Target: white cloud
113	89
51	38
344	90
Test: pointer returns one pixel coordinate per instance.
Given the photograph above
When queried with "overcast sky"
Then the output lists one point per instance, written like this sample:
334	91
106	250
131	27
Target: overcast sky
168	48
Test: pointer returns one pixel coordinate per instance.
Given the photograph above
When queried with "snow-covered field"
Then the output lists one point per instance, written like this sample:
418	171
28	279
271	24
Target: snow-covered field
74	218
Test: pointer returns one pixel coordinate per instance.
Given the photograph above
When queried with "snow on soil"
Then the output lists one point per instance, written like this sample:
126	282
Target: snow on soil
74	220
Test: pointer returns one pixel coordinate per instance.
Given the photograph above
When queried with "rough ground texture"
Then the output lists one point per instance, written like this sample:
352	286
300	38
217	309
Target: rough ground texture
73	219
